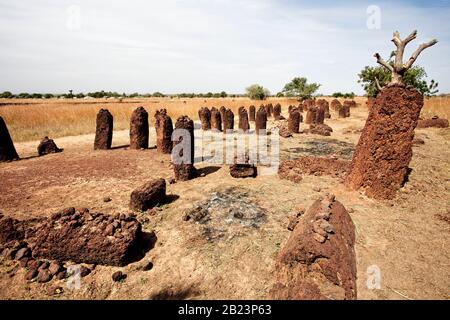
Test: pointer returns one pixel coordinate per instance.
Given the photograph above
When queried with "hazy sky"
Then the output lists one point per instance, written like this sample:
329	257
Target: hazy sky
208	45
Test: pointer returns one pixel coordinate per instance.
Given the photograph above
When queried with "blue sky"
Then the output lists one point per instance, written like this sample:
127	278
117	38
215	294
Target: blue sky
208	45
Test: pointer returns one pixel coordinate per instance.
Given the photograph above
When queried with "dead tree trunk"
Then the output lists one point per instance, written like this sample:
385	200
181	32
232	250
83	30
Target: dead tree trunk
398	68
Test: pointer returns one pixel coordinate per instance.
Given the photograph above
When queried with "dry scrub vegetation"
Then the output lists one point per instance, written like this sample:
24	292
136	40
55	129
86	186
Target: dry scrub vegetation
30	120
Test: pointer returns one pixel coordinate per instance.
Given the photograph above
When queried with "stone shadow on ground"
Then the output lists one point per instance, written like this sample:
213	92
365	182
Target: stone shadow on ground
146	242
180	293
208	170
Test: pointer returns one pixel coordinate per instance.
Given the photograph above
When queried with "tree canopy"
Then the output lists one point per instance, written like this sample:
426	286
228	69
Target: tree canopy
257	92
414	76
300	88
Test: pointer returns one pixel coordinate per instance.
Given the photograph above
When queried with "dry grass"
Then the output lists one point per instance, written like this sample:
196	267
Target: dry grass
30	120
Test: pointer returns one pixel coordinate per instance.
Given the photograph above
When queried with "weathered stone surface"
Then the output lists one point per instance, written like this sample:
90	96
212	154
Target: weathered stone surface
205	117
370	102
184	165
294	121
320	129
243	171
31	274
350	103
54	268
223	110
382	155
243	119
261	120
11	230
78	236
44	276
47	146
164	129
139	132
23	253
318	260
269	110
311	115
320	115
148	195
434	122
229	121
277	111
344	111
308	103
283	129
325	106
216	119
104	130
335	104
7	149
252	113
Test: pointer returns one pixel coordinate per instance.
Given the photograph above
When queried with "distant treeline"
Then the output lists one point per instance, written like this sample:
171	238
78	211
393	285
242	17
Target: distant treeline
109	94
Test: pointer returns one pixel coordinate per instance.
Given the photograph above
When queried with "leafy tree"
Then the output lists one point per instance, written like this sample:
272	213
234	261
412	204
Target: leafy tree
300	88
24	95
223	94
6	95
414	76
280	95
257	92
158	95
350	95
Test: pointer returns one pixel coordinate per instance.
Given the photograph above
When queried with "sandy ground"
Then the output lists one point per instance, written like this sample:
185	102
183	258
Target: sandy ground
406	238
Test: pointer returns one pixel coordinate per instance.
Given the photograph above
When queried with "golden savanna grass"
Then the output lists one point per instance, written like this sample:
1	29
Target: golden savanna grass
29	120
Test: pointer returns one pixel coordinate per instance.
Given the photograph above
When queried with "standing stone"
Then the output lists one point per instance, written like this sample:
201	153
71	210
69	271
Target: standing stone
148	195
382	155
320	115
261	120
269	110
277	111
164	129
344	111
223	110
350	103
243	119
47	146
229	121
139	129
185	169
335	105
309	103
216	119
322	103
311	115
205	117
104	130
252	113
294	121
7	149
318	260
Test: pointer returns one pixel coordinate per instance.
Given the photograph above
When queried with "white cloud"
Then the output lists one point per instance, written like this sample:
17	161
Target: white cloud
199	46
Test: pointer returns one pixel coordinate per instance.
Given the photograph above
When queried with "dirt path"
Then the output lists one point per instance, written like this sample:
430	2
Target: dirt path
407	238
